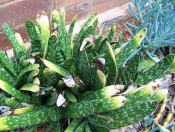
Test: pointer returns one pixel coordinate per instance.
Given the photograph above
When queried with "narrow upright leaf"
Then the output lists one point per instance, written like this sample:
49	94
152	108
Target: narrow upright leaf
43	23
129	71
11	36
8	64
110	66
31	30
51	52
131	46
85	26
71	28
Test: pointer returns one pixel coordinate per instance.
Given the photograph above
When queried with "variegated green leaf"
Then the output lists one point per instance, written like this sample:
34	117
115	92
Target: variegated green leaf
11	36
87	128
98	42
131	116
5	76
81	127
144	65
68	63
52	100
78	110
61	71
30	87
8	64
51	77
156	71
130	47
17	94
110	66
84	69
70	96
73	125
100	80
59	57
129	71
24	72
14	104
111	33
71	28
28	119
31	30
36	47
44	27
2	99
98	127
85	26
90	30
51	52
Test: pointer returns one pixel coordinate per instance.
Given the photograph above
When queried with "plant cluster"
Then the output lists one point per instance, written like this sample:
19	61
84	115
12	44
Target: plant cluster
158	16
76	84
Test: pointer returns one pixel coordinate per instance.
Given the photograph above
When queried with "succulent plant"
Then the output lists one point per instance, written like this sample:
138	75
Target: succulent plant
69	80
158	18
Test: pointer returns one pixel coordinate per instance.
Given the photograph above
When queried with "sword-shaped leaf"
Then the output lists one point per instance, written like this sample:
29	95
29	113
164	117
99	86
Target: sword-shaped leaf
51	52
36	47
8	64
144	65
71	28
110	66
32	75
70	96
68	63
43	23
34	117
129	72
155	71
17	94
84	69
111	33
131	116
31	30
19	51
130	47
85	26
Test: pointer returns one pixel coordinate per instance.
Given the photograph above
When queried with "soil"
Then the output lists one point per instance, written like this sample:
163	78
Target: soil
120	27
